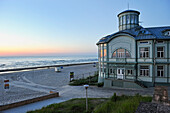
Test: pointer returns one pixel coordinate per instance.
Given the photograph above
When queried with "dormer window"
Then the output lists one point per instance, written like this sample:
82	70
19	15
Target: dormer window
166	32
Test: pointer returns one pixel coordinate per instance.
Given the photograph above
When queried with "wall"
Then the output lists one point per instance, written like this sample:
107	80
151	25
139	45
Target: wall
21	103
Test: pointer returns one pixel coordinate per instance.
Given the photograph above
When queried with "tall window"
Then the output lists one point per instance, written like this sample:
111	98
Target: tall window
127	19
160	71
120	20
121	53
135	20
132	19
144	70
160	52
124	20
144	52
129	72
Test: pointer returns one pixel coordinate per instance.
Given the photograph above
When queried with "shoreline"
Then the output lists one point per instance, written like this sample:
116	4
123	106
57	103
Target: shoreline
41	67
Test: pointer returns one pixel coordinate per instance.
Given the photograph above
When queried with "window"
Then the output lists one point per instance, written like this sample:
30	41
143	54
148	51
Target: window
127	19
104	52
121	53
135	19
160	71
160	52
144	52
129	72
101	53
127	54
144	42
167	33
144	70
132	19
111	71
160	42
114	54
120	20
124	20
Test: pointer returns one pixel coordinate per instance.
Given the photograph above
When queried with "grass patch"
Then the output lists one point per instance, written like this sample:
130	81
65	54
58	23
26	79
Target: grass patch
115	104
91	80
121	104
71	106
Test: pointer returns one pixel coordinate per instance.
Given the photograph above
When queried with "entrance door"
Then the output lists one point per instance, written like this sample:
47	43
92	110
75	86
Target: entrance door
120	73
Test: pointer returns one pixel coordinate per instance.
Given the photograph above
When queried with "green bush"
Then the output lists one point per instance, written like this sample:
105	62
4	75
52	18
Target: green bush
91	80
100	84
114	98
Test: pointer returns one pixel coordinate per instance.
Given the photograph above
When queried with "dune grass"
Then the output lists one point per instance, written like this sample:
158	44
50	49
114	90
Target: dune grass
71	106
121	104
115	104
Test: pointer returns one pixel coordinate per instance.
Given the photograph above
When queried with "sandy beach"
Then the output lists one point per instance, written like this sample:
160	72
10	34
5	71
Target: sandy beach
38	82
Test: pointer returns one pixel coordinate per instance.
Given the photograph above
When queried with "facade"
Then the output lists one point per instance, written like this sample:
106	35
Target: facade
134	56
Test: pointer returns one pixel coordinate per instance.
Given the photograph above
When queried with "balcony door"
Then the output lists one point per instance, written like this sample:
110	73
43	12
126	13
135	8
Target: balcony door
120	73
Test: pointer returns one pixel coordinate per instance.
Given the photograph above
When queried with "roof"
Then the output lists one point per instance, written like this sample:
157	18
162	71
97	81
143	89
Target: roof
139	33
127	11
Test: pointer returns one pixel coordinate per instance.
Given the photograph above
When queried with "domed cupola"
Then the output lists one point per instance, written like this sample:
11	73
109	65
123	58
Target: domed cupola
128	19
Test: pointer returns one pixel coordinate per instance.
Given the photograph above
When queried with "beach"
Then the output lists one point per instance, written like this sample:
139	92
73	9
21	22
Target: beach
37	82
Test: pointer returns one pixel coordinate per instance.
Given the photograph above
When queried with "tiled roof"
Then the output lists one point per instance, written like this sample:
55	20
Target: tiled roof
139	33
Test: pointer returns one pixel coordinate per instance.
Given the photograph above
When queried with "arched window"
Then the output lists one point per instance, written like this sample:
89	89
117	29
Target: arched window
121	53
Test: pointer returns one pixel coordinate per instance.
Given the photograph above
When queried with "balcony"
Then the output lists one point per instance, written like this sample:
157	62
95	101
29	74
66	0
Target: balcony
120	59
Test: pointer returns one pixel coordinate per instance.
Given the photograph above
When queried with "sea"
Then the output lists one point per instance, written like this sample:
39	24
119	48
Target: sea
14	62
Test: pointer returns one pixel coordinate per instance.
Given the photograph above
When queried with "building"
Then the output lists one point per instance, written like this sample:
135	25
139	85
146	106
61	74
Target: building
134	56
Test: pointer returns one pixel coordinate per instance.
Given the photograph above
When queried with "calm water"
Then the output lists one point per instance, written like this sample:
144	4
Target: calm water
34	61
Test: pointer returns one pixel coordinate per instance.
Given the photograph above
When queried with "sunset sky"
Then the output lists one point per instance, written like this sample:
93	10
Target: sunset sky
52	27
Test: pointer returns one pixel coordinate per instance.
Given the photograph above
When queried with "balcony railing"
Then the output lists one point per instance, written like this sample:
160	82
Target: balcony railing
124	77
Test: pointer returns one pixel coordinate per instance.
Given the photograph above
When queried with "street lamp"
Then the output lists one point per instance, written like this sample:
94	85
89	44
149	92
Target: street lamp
86	87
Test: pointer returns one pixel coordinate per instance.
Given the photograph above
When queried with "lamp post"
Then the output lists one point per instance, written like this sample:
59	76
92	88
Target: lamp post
86	87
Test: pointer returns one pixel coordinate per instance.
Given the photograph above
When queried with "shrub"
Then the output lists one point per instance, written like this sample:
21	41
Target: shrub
100	84
114	98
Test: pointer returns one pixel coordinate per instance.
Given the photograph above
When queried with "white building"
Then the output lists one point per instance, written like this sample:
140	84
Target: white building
134	56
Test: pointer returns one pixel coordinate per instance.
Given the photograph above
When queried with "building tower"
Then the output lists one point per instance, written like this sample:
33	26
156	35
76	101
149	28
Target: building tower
128	19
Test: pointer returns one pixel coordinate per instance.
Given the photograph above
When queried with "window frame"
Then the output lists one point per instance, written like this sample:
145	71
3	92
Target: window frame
144	53
159	52
145	72
115	54
160	70
144	42
129	70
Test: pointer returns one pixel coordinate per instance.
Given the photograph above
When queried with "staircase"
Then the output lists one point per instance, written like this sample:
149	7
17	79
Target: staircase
140	83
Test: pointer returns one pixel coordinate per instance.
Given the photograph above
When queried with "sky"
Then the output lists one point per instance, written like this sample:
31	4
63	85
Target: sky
53	27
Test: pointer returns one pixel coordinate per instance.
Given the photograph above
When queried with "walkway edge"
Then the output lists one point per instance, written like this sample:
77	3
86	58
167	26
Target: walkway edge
21	103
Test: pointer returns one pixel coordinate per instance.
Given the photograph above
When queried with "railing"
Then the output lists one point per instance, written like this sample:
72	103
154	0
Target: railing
121	59
124	77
